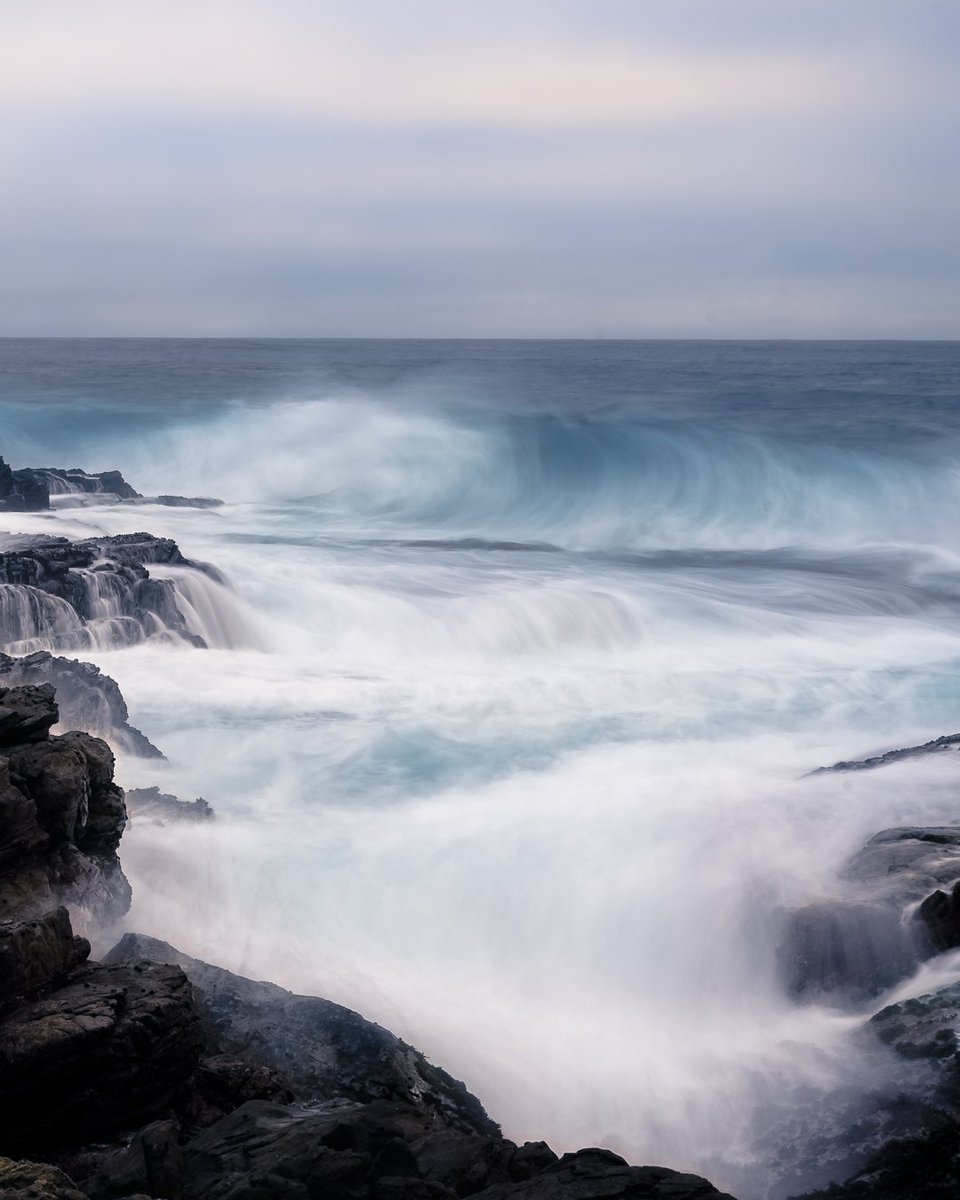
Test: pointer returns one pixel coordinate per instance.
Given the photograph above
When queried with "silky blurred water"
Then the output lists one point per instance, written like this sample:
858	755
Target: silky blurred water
526	650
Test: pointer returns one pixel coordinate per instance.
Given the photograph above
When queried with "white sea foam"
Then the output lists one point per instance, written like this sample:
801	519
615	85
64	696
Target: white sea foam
533	808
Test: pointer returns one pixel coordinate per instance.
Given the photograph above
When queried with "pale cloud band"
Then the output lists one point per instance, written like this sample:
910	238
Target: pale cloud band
456	169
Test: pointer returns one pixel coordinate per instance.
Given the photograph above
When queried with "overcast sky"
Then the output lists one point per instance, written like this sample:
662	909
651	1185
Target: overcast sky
480	168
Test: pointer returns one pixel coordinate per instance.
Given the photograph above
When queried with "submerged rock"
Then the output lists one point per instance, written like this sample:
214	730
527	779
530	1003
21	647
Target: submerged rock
153	805
926	1163
886	923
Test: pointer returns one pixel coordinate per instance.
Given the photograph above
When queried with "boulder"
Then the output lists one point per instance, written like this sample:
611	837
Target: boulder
36	953
61	815
114	1046
27	714
35	1181
322	1050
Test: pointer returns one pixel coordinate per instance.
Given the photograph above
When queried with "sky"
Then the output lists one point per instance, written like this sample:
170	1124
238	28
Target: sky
478	168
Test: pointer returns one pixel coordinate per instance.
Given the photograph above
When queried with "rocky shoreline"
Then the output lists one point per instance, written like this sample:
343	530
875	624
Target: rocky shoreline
148	1073
152	1074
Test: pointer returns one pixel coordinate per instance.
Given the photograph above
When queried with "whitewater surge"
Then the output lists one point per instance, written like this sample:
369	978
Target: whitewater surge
508	703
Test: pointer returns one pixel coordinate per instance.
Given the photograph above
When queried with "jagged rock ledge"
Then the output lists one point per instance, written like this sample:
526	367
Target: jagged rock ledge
152	1074
30	488
56	594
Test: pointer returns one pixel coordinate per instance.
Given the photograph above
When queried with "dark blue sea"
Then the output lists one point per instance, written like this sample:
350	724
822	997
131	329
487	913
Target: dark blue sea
526	651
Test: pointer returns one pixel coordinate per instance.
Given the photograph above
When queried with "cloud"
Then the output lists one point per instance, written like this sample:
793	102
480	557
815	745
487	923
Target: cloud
427	167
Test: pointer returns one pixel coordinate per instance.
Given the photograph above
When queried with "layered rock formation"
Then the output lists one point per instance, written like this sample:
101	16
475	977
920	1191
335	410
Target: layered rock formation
151	1074
57	594
22	491
61	814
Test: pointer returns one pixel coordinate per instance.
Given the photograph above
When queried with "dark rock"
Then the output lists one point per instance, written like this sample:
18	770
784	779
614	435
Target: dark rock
601	1175
949	742
26	714
114	1046
855	946
183	501
853	951
224	1082
939	917
321	1049
22	491
36	953
327	1152
926	1027
152	1163
35	1181
56	594
61	816
467	1164
76	481
88	700
153	805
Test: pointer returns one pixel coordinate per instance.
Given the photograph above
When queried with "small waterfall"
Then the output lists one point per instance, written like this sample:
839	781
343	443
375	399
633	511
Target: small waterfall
211	610
34	620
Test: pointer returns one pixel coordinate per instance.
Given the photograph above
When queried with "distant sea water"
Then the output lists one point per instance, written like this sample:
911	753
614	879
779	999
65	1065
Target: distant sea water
505	718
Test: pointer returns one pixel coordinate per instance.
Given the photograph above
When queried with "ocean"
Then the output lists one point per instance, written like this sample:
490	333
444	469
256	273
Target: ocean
526	651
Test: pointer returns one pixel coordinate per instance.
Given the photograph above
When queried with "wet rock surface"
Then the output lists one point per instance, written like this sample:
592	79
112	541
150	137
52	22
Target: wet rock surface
61	814
321	1049
22	491
87	699
61	595
150	804
891	916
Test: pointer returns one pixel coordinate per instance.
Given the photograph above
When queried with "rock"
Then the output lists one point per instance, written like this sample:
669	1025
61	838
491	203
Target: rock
114	1046
34	954
949	742
182	501
56	594
22	491
110	485
601	1175
61	816
852	948
939	917
848	951
151	804
321	1050
35	1181
152	1163
26	714
328	1150
88	700
467	1164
